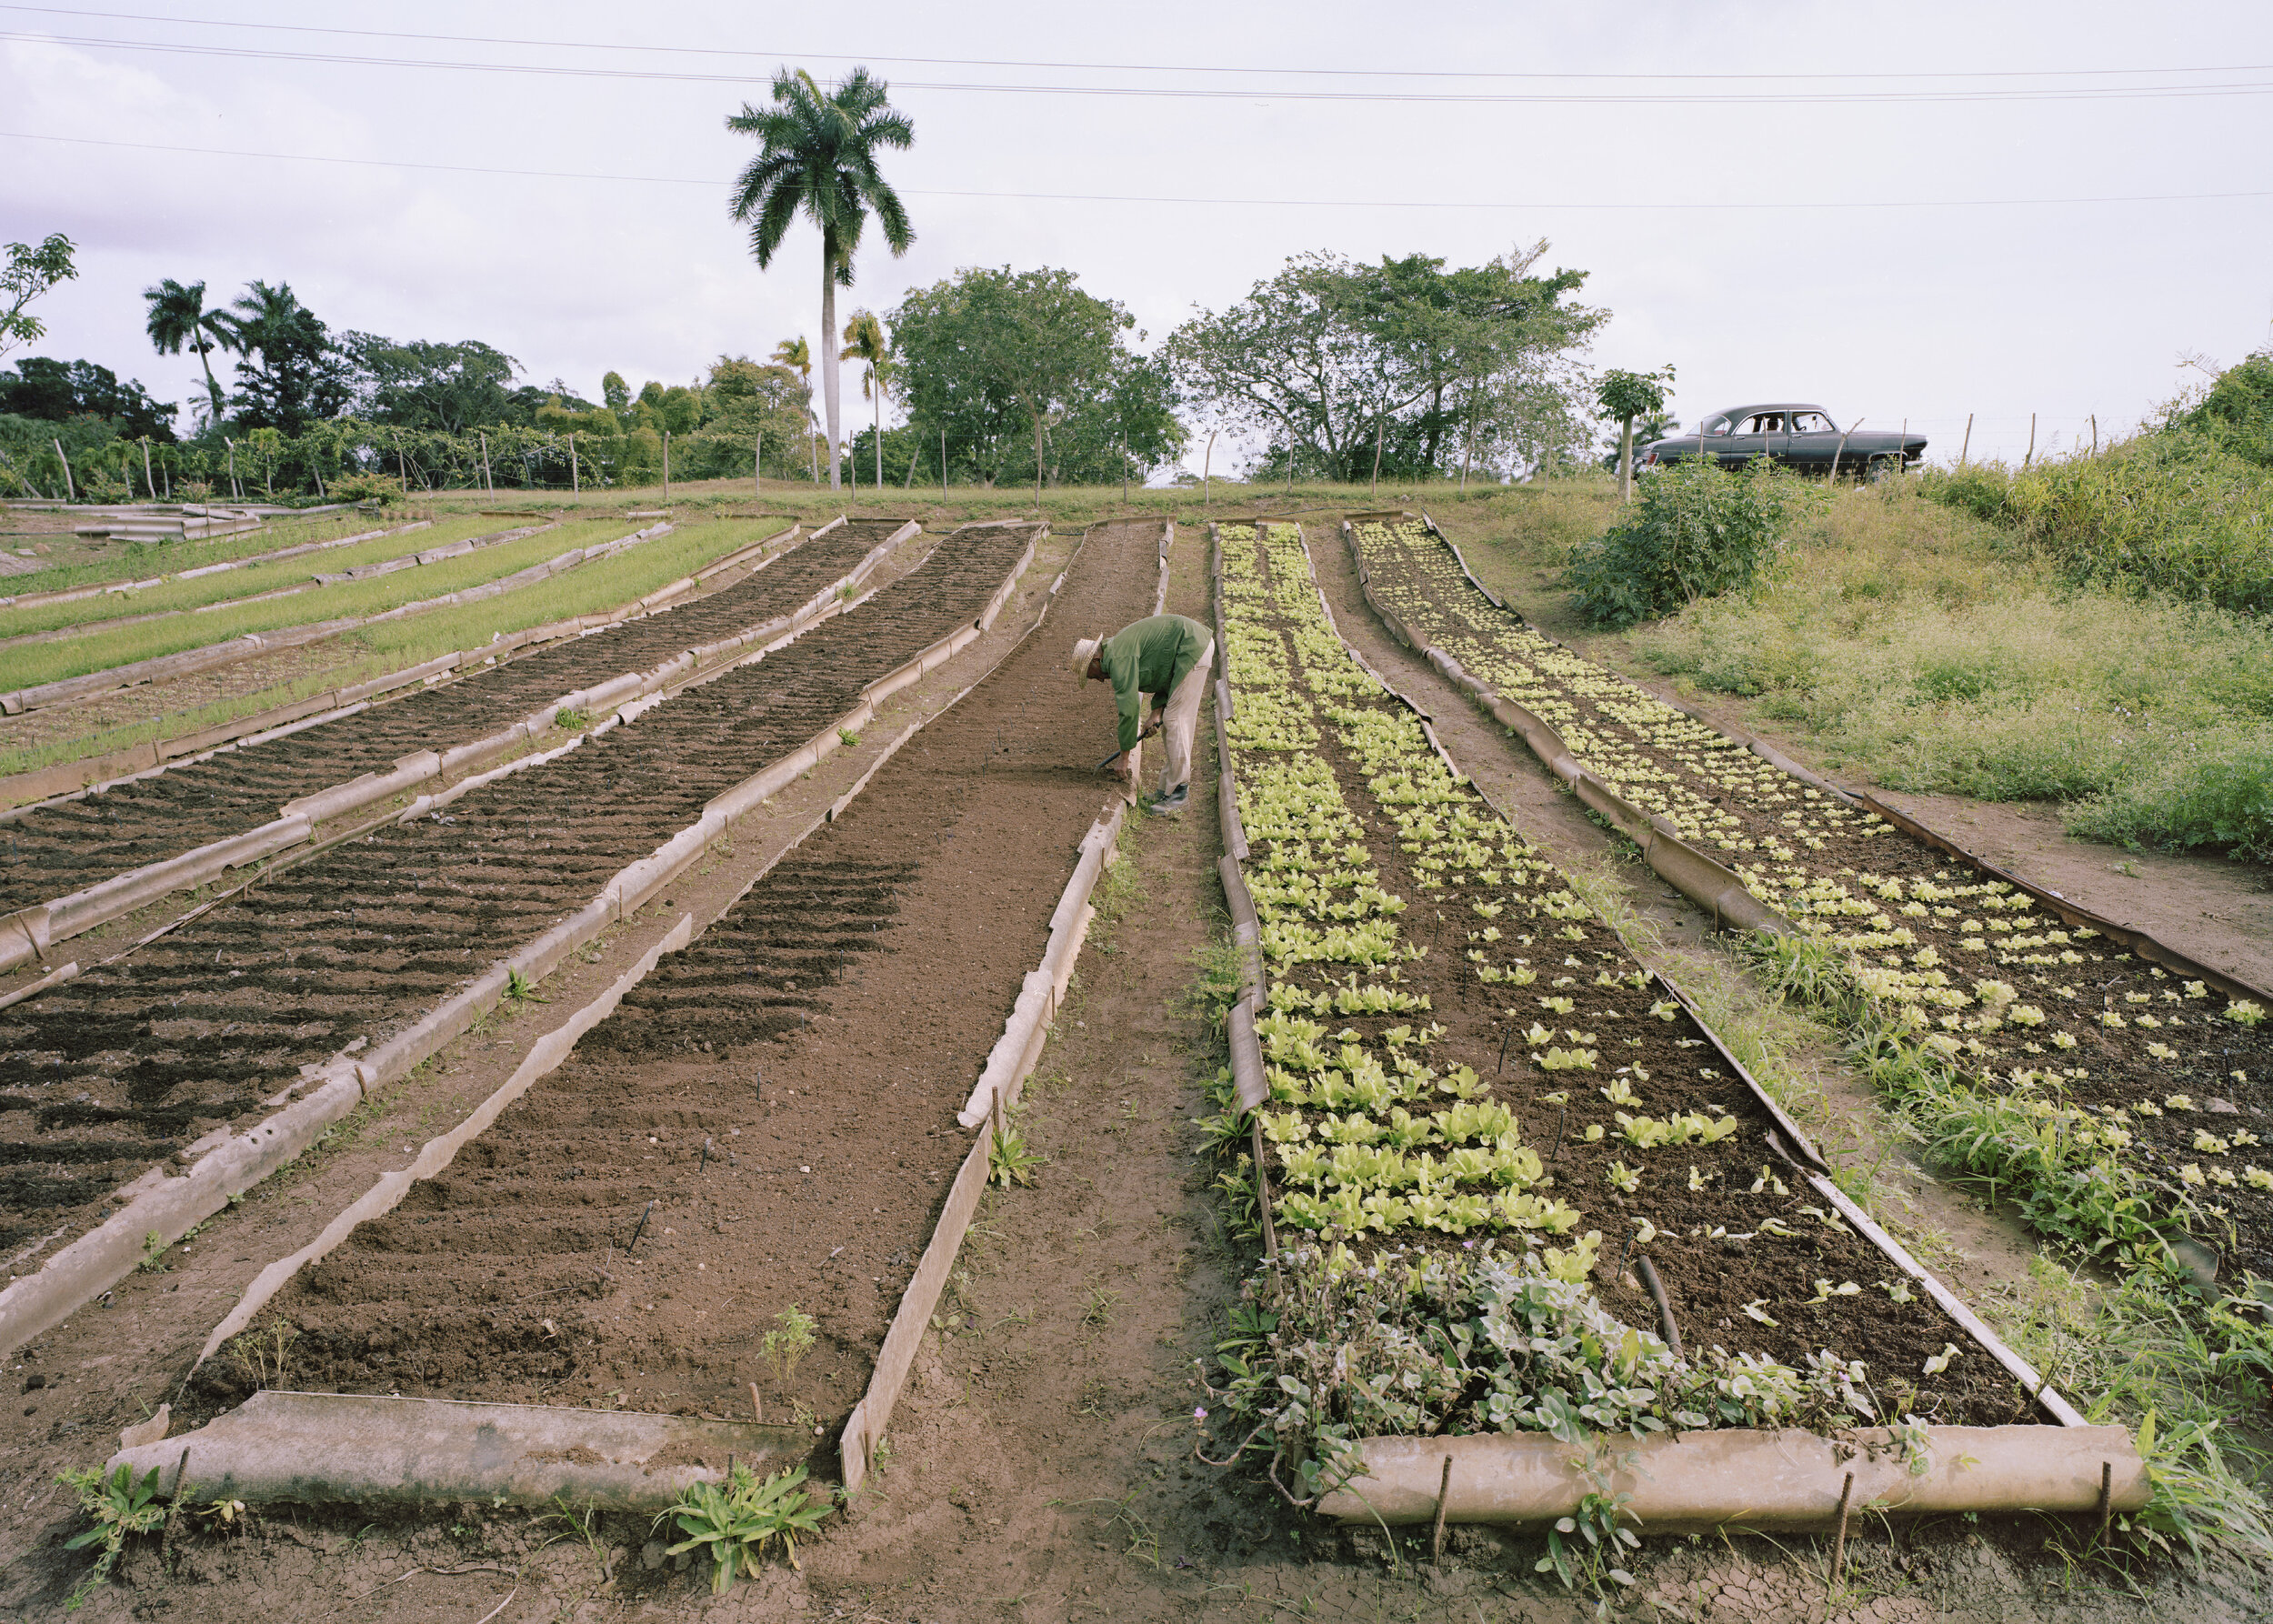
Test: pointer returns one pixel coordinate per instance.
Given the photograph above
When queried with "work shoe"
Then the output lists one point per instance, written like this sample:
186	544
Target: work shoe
1171	803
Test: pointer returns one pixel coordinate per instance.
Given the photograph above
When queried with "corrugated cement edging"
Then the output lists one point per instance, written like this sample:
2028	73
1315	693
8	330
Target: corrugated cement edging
1693	1482
168	1206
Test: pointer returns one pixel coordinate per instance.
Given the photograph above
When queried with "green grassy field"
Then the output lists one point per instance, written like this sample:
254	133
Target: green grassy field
80	561
1932	650
394	644
31	662
248	581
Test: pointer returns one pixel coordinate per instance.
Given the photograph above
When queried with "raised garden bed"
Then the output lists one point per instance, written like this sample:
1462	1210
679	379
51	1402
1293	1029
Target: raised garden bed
1487	1128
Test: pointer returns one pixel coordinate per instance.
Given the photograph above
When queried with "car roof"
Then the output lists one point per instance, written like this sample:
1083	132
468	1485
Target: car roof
1768	406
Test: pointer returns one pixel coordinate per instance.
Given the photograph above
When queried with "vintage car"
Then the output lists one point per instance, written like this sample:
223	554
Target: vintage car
1799	436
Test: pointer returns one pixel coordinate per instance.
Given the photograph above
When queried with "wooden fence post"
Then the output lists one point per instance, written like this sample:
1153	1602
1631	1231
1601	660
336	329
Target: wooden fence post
1968	440
576	474
489	485
666	467
2032	441
1373	493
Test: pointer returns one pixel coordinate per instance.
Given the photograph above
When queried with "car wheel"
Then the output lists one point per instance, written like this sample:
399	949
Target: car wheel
1880	467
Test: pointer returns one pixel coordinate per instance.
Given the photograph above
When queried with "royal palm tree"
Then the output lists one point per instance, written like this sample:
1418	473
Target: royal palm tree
818	158
796	355
178	317
863	342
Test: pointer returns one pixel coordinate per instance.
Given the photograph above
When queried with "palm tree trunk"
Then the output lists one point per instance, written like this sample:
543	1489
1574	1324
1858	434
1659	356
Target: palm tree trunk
829	347
876	389
205	357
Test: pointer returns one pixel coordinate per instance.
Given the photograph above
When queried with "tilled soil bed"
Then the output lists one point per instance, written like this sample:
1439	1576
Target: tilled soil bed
777	1101
60	849
128	1063
2107	1052
1753	1259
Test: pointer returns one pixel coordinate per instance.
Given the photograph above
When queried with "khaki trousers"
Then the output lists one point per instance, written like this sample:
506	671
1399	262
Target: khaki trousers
1181	721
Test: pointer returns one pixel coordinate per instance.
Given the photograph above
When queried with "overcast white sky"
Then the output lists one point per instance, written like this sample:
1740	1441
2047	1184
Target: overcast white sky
1778	275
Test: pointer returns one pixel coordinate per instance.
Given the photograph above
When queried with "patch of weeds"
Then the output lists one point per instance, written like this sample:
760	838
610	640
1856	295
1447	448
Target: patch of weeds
520	990
153	1254
791	1339
569	719
584	1525
1604	1538
1143	1545
848	736
1099	1313
121	1508
267	1352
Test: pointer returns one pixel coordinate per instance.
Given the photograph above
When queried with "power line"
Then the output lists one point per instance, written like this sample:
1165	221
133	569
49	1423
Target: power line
1468	204
2079	93
1145	67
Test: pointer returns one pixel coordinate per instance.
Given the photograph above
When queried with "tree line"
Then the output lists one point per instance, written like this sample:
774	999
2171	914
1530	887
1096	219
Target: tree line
1331	369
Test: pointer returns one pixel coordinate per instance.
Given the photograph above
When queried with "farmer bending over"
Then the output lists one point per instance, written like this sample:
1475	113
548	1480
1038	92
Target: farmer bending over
1168	658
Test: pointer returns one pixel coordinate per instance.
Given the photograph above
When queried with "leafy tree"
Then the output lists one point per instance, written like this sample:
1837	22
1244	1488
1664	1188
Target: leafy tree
291	374
615	393
997	357
57	390
1624	397
818	158
177	317
753	403
29	273
453	387
1331	359
1699	530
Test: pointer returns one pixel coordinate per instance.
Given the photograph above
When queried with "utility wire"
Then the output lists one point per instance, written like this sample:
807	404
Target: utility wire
2080	93
1469	204
1135	67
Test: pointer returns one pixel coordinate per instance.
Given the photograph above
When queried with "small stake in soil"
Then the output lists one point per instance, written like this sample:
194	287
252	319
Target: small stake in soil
1444	1492
638	1228
2107	1497
1838	1540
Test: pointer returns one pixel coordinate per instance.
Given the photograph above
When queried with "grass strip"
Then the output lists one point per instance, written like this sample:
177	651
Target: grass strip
33	664
395	644
175	593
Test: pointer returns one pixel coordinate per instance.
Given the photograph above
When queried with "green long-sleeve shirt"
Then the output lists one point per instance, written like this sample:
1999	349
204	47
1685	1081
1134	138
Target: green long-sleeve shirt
1150	657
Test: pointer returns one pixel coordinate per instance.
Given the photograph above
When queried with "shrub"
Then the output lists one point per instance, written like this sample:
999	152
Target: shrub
2181	509
1694	531
381	488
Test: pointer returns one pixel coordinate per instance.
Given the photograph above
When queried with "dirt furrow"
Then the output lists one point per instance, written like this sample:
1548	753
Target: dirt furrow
777	1101
127	1065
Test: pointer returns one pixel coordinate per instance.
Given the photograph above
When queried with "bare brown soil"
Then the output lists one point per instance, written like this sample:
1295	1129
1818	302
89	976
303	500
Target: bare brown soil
128	1063
783	1092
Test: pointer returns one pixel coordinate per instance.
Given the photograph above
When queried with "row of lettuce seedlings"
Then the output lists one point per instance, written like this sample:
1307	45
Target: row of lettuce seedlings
1491	1139
2122	1103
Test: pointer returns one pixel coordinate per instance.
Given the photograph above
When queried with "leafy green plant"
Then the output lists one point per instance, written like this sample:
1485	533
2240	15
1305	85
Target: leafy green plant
1695	531
569	719
121	1508
734	1524
1584	1547
153	1254
1008	1161
847	736
791	1339
520	990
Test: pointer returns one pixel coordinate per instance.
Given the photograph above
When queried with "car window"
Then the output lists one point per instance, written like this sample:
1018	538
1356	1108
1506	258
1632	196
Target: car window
1764	423
1718	426
1812	423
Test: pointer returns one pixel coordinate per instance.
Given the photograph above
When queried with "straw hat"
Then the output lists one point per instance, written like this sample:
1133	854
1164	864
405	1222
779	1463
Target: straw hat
1085	651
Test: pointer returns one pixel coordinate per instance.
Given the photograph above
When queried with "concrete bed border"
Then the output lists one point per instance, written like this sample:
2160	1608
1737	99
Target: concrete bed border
169	1206
92	775
29	932
72	595
1703	1480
